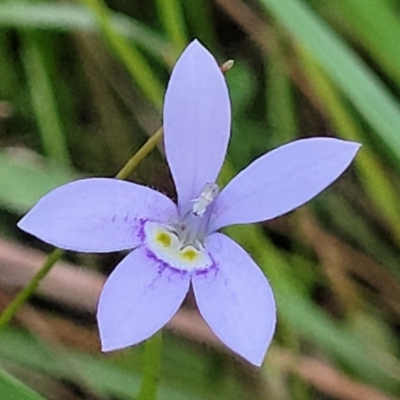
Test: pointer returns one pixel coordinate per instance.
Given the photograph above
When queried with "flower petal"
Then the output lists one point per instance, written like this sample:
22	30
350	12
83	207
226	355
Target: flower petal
236	300
96	215
196	122
138	299
282	180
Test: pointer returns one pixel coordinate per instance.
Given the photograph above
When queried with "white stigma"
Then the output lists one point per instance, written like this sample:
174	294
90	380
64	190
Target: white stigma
181	244
207	196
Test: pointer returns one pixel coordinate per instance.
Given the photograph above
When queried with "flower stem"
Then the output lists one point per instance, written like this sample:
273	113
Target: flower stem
142	153
23	296
28	290
151	367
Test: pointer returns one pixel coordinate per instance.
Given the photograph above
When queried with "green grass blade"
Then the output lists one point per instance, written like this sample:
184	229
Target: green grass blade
171	16
11	388
200	19
151	367
376	25
68	17
132	59
44	100
281	111
376	104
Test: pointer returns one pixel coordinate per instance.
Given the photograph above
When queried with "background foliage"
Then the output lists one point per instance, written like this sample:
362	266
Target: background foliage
81	88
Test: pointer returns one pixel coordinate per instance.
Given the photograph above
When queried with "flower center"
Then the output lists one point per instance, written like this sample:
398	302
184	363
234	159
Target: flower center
165	244
181	245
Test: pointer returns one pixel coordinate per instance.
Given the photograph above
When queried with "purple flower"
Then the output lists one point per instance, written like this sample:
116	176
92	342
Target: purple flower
178	245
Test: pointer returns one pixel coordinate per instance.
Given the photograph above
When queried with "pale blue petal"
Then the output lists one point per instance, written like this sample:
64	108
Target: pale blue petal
196	122
236	300
96	215
282	180
138	299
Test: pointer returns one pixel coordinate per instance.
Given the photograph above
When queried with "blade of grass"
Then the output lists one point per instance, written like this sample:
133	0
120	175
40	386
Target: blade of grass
43	99
12	388
376	26
151	368
68	17
200	19
9	79
281	112
367	93
171	16
131	58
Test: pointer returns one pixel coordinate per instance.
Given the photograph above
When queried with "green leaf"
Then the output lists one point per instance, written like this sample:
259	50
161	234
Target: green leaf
11	388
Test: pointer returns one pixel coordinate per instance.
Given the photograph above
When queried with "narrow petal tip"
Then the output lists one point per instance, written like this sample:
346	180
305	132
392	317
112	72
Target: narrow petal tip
196	51
105	348
353	147
23	224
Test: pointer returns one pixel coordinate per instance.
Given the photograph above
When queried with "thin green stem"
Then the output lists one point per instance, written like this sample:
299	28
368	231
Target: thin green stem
151	367
142	153
29	289
23	296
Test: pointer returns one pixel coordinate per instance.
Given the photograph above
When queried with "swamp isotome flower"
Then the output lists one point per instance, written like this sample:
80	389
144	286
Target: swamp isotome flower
178	245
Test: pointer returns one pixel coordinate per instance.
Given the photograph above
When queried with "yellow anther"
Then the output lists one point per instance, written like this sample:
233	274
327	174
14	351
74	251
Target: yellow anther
190	254
164	239
166	244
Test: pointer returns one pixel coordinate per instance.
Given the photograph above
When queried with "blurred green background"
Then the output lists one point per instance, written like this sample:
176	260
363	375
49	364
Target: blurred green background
81	89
